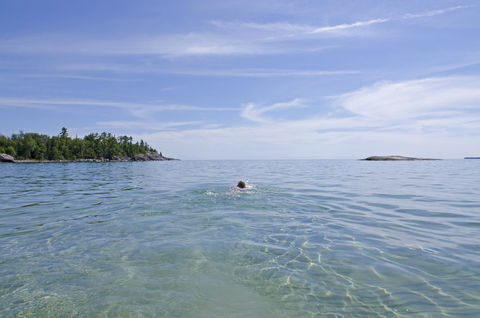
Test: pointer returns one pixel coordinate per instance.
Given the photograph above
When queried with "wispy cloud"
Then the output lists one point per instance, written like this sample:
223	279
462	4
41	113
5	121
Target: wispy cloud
436	12
261	72
140	110
239	41
375	21
276	26
348	26
289	30
244	72
81	77
413	99
177	45
146	125
255	112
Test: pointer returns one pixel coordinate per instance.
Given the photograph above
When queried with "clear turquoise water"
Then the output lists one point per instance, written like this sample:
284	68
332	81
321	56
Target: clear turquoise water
325	238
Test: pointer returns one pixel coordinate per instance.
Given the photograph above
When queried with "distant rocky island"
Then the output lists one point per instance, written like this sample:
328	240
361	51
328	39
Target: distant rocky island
33	148
472	158
395	158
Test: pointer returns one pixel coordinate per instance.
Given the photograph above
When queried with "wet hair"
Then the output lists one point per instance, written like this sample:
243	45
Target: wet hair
241	184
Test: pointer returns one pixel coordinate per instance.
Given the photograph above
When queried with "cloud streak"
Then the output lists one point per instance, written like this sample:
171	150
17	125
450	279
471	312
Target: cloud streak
147	125
290	30
178	45
141	110
255	112
376	21
436	12
348	26
240	41
245	72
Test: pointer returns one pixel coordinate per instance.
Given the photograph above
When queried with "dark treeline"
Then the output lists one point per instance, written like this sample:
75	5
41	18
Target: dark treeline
62	147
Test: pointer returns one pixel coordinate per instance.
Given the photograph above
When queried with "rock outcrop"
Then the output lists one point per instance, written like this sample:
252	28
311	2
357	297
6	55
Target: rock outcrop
124	158
86	160
395	158
140	158
148	157
152	157
6	158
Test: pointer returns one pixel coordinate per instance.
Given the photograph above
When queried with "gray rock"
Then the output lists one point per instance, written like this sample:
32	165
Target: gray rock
159	157
155	157
6	158
141	158
151	157
395	158
121	158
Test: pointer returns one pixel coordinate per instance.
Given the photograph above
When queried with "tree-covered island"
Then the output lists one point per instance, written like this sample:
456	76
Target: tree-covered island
103	147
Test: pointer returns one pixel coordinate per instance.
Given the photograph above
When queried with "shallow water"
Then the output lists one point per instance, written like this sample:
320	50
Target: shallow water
320	238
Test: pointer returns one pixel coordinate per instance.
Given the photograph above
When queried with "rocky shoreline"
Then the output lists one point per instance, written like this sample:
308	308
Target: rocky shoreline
4	158
395	158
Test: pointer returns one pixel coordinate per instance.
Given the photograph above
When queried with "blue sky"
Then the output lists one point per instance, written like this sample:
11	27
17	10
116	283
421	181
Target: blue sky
248	79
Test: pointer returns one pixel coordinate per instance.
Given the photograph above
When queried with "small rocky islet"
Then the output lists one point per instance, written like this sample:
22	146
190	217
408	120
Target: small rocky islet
395	158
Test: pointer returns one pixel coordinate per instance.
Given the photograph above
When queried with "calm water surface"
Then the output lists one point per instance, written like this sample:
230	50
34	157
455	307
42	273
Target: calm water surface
324	238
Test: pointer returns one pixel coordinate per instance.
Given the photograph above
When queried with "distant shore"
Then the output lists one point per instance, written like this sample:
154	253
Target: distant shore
147	157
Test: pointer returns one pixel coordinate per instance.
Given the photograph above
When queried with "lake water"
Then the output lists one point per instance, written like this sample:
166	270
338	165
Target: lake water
318	238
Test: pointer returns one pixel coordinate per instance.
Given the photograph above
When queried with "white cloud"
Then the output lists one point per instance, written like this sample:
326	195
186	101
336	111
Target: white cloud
266	142
436	12
289	30
348	26
375	21
413	99
433	117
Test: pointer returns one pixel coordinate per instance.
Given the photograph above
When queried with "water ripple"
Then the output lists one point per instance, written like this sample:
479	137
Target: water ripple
308	238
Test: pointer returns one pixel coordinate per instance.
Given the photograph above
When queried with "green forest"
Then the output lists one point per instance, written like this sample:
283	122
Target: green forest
33	146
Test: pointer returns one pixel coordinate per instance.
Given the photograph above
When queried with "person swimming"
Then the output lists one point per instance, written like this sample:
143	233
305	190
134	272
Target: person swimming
240	186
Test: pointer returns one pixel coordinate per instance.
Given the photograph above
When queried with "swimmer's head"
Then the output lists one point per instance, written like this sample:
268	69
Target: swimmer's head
241	184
